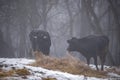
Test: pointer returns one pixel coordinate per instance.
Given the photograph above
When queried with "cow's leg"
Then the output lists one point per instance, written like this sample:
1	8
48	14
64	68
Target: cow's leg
95	62
46	51
88	61
102	58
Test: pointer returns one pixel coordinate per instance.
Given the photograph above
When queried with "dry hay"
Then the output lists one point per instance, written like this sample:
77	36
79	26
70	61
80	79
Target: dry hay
66	64
9	73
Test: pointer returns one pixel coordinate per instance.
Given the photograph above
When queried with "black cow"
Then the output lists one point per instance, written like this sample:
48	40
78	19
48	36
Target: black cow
40	41
90	46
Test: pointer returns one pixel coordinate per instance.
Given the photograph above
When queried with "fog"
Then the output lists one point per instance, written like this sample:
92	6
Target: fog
63	19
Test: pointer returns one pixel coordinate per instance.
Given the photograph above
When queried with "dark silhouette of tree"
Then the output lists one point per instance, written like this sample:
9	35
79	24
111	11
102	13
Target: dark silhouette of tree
114	6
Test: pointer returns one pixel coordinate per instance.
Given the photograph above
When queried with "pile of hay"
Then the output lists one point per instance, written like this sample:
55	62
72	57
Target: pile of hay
66	64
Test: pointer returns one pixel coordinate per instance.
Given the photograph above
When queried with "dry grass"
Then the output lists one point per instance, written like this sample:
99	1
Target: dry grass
20	72
67	64
6	73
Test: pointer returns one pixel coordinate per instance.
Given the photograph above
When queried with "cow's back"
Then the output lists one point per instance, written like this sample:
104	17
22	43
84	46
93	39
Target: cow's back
93	45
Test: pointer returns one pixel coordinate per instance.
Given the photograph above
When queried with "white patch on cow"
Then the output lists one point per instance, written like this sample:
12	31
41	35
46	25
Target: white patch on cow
35	37
44	37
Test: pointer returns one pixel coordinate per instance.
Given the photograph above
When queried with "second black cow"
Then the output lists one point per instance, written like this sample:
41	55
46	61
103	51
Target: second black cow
40	41
90	47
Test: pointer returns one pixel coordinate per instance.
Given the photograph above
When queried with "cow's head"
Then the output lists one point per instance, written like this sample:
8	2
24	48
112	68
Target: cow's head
40	41
33	35
72	44
34	39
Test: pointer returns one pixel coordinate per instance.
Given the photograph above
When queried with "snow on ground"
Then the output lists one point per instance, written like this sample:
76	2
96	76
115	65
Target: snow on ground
99	66
37	73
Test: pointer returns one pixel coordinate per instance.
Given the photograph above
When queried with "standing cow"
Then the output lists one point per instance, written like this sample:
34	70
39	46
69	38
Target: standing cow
90	47
40	41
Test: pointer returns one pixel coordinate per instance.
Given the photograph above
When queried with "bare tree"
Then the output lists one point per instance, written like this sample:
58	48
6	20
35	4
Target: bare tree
71	20
45	7
114	6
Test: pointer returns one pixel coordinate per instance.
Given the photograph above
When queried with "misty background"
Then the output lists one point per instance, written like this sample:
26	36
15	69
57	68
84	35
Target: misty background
63	19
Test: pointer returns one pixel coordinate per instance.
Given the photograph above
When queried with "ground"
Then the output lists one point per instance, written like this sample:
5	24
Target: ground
18	69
